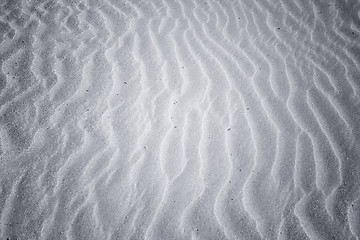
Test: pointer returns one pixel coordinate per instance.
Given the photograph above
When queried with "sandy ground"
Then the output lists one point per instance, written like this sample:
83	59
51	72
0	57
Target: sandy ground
179	119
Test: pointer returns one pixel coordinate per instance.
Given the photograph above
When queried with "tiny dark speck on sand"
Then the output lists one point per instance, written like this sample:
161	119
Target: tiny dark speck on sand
125	82
229	129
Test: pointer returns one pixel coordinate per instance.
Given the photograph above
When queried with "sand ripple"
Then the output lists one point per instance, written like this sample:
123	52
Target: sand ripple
174	119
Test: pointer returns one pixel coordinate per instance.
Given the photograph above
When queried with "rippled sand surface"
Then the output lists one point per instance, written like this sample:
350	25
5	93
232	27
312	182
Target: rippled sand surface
179	119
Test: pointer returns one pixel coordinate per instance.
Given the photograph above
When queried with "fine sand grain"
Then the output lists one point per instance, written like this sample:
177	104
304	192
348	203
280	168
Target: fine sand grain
179	119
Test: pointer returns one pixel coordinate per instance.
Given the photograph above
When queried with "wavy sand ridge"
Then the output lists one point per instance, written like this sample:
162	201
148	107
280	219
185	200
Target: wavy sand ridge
173	119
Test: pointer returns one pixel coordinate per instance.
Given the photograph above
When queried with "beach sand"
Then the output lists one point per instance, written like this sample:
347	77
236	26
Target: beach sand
179	119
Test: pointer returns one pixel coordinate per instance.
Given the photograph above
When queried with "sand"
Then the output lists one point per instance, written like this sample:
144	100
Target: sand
179	119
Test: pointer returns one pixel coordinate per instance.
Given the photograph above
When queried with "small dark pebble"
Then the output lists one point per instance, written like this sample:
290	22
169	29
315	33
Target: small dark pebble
247	108
228	129
278	28
125	82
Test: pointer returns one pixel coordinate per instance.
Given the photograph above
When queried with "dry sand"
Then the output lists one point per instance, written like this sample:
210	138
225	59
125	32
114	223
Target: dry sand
179	119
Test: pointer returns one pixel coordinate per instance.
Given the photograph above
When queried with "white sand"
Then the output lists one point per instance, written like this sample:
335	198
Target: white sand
171	119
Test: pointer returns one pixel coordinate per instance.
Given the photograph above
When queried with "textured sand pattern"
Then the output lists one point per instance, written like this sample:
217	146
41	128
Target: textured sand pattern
179	119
